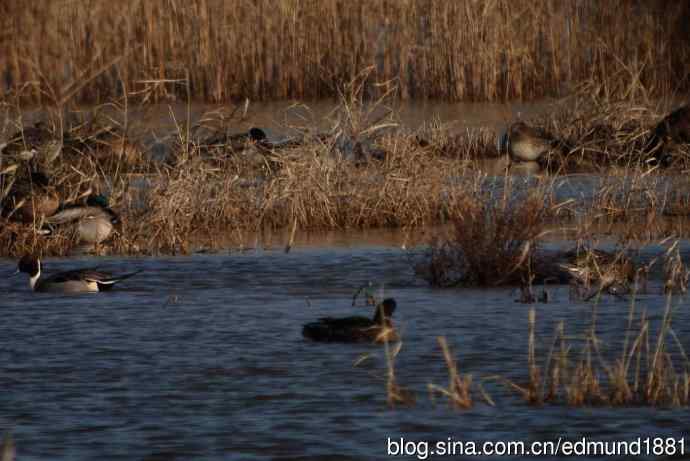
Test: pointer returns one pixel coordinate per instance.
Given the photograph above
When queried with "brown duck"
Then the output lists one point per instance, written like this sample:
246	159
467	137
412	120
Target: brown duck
527	143
673	130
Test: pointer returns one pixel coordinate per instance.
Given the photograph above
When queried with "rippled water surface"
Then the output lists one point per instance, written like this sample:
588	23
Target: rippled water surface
201	357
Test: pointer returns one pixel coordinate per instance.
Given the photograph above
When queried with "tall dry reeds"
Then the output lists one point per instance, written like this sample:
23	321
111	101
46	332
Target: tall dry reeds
491	50
646	372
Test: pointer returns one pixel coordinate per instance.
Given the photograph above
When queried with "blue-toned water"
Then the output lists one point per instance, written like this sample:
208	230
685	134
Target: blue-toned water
201	357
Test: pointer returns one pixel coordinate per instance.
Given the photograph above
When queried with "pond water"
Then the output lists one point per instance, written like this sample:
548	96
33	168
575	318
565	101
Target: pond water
202	357
280	118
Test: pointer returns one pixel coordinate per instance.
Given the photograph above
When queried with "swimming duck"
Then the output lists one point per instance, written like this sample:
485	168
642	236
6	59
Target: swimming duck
526	143
355	329
75	281
93	222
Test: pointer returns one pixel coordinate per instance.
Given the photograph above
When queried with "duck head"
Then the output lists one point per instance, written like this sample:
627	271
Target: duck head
30	265
384	311
97	200
101	201
257	135
518	128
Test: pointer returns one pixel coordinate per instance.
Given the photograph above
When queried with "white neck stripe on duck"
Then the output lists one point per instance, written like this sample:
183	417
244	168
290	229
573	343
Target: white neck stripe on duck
33	278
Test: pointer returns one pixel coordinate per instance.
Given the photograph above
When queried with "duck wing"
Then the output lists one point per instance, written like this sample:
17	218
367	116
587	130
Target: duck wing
104	279
76	213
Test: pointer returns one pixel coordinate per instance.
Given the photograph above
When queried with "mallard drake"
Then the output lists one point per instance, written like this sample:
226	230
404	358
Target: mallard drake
526	143
93	222
75	281
355	329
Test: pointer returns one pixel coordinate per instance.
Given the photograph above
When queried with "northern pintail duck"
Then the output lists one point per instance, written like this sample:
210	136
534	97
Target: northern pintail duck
527	143
355	329
93	222
75	281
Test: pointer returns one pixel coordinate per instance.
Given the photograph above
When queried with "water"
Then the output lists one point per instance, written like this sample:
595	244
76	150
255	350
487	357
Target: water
279	118
202	357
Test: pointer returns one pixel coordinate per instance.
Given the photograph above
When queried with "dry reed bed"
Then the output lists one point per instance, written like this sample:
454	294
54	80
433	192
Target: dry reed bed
304	49
173	207
201	196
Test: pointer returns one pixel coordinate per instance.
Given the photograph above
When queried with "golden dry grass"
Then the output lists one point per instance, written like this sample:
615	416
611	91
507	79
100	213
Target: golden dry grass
645	373
226	49
366	172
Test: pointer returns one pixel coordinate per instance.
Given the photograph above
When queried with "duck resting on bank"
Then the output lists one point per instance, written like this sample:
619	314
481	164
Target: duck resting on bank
74	281
526	143
355	329
92	223
672	131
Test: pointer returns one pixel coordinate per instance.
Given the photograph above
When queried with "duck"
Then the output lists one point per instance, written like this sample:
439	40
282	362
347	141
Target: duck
28	138
38	145
527	143
74	281
92	223
238	142
675	126
612	273
355	329
671	131
32	197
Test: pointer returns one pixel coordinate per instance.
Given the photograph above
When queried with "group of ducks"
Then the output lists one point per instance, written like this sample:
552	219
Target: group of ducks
28	195
91	221
377	329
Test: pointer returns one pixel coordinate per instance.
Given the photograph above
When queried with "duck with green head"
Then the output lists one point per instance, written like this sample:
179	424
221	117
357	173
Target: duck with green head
92	222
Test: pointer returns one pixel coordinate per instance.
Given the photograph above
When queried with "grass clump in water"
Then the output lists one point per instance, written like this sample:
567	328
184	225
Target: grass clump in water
646	372
491	242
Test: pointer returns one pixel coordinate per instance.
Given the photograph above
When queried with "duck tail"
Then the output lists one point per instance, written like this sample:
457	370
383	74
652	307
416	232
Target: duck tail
106	284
